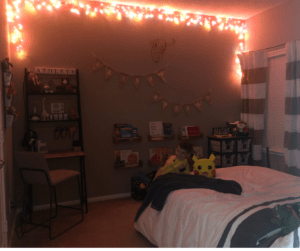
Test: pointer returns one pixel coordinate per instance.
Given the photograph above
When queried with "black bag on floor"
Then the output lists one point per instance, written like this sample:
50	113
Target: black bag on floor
140	184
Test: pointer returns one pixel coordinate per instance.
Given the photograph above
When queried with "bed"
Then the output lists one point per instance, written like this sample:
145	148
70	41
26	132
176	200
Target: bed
206	218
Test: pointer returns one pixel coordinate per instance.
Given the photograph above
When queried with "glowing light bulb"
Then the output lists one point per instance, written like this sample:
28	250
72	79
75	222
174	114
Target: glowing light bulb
119	16
75	11
21	54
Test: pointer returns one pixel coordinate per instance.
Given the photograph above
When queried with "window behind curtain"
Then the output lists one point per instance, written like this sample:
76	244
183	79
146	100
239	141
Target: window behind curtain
275	101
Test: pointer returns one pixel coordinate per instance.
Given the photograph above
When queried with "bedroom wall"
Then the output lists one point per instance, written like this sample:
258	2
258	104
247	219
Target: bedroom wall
276	26
271	28
200	60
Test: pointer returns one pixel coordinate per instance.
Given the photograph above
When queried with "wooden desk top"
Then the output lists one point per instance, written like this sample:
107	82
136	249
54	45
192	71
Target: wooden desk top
64	154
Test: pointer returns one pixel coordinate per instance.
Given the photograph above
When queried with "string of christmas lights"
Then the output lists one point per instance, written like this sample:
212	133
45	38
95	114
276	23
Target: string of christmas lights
15	9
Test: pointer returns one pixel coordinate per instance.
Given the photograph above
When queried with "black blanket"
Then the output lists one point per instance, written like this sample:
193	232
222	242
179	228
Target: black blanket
265	226
164	184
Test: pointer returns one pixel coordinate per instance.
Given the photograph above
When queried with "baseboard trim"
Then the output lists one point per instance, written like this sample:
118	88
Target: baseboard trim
109	197
77	202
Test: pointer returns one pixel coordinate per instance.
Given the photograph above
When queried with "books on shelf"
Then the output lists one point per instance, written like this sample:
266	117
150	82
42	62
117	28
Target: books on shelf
160	154
198	151
168	129
135	132
156	128
132	158
117	129
165	154
153	155
126	157
192	130
189	131
182	130
123	132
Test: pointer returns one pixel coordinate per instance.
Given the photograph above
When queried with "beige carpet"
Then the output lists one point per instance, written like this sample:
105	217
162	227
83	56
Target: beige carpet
107	224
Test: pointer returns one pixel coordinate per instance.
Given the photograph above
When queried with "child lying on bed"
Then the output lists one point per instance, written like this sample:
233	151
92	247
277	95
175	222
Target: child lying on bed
178	163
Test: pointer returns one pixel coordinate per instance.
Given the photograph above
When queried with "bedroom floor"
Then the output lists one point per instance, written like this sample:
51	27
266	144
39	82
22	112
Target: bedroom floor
107	224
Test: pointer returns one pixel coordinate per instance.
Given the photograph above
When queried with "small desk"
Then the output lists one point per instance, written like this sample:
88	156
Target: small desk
67	154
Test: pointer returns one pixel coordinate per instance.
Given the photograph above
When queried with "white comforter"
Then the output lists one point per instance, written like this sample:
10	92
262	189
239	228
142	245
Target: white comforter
198	217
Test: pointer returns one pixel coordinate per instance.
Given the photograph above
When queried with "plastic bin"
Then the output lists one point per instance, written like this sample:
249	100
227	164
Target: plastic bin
228	160
227	146
243	159
243	145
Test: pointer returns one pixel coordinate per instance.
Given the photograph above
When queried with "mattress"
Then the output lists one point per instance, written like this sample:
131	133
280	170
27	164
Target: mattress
200	217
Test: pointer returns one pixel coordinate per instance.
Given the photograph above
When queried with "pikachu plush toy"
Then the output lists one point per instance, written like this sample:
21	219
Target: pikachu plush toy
204	167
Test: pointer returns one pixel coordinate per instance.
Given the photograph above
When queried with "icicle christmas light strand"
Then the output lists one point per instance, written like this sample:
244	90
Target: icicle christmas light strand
15	9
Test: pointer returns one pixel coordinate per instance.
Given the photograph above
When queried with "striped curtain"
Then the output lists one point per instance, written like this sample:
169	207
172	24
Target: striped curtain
292	108
253	94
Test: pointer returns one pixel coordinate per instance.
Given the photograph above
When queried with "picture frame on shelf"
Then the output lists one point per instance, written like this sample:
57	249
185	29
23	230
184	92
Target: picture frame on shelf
57	108
7	76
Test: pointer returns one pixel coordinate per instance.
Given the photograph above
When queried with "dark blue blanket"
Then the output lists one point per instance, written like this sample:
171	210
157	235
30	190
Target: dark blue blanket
164	184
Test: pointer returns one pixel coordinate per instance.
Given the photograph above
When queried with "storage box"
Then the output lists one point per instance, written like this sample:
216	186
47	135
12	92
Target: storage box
217	160
228	160
227	146
243	145
243	159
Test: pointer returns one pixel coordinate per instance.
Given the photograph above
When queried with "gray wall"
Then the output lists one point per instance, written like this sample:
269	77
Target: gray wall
200	60
274	27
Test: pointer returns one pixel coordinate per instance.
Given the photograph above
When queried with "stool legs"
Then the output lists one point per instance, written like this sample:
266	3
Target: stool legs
27	210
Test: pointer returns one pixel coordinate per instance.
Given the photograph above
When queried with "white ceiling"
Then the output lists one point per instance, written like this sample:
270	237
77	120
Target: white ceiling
241	9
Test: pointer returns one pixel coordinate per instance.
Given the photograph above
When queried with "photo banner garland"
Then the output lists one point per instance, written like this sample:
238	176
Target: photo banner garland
177	107
109	72
123	77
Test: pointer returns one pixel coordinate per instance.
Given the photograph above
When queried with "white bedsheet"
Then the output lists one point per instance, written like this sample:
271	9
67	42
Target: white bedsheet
198	217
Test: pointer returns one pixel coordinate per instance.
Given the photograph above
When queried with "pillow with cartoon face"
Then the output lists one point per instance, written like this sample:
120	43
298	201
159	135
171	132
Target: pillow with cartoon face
205	167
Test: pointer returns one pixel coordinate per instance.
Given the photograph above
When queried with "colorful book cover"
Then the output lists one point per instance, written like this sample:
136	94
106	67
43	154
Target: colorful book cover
183	130
198	151
192	130
124	153
165	154
117	129
162	152
168	129
125	131
135	132
156	128
132	158
153	155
